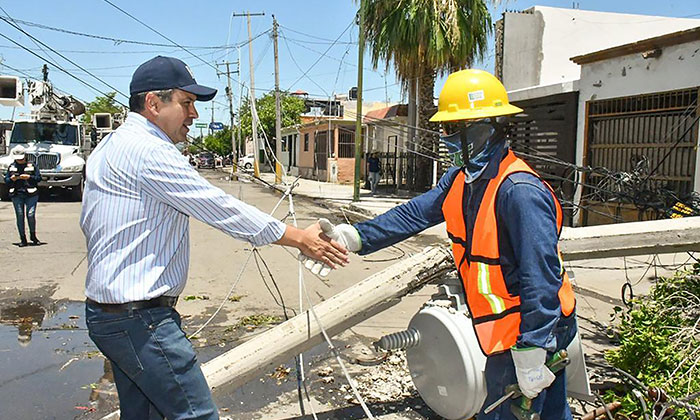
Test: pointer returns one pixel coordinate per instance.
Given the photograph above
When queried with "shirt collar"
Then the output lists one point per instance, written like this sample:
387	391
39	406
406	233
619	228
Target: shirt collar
138	120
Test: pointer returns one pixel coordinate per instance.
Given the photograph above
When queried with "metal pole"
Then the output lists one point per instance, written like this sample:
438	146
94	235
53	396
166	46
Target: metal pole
253	111
278	109
358	120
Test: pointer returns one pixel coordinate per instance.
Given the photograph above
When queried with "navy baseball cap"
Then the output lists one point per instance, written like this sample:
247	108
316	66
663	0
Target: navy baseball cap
161	73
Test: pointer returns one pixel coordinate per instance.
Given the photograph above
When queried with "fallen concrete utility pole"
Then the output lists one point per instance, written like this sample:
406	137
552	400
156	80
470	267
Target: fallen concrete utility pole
628	239
349	307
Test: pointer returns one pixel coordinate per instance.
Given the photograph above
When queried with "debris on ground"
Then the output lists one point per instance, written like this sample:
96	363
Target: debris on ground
386	382
281	373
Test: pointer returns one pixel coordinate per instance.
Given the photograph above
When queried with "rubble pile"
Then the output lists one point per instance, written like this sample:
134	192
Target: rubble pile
388	381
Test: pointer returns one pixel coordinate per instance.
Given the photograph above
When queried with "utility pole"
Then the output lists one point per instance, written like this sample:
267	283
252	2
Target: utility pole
253	111
229	94
278	108
212	107
358	121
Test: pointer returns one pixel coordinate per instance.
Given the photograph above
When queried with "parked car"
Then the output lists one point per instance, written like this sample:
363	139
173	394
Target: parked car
246	162
205	160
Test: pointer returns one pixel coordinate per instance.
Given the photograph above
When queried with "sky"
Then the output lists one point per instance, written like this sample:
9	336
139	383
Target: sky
317	47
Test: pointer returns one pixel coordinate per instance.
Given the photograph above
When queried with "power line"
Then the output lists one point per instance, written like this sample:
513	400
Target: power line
298	66
170	40
115	40
314	36
323	55
59	68
61	55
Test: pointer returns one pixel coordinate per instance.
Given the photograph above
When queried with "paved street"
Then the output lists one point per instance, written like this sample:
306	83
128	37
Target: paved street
42	289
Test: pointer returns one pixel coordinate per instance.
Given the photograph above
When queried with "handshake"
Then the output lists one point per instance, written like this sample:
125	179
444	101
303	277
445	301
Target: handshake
344	234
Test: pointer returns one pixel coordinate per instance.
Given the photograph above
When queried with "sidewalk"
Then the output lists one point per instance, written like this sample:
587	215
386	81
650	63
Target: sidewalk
341	195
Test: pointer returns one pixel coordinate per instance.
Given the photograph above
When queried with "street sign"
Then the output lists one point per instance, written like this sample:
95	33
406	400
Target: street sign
201	125
216	126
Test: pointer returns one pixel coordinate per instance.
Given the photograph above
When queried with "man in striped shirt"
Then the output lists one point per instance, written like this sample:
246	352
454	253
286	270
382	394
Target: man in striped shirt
139	194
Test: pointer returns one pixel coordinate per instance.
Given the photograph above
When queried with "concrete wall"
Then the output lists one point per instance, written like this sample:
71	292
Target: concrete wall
538	44
676	68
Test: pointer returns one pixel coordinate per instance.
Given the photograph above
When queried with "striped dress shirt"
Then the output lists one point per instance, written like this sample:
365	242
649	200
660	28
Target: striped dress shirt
139	194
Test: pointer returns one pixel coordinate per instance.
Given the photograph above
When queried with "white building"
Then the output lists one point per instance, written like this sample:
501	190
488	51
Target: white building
533	47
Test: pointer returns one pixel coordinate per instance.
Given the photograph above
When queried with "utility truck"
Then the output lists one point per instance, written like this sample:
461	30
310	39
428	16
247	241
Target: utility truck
54	138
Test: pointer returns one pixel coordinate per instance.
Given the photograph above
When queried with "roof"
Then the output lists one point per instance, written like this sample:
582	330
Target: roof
388	112
673	38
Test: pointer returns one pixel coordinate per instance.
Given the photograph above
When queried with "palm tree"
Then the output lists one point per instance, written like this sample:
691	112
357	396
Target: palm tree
424	38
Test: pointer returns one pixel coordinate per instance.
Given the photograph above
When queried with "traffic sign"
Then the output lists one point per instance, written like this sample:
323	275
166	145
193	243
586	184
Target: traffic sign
216	126
200	125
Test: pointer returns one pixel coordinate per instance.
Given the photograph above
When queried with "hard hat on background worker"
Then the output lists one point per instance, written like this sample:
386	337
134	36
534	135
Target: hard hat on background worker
18	152
469	104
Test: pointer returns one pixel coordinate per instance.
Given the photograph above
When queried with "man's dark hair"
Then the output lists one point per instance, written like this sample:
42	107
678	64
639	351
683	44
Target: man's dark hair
137	101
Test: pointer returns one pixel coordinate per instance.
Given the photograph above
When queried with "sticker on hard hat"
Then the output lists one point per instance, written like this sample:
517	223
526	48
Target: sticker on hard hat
477	95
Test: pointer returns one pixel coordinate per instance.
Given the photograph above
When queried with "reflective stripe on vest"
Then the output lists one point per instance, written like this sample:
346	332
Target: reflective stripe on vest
496	313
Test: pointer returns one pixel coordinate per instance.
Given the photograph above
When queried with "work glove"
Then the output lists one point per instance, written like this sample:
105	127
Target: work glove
344	234
533	375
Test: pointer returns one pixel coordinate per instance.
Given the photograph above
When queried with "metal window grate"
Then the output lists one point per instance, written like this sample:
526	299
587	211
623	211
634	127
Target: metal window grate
346	143
652	137
547	129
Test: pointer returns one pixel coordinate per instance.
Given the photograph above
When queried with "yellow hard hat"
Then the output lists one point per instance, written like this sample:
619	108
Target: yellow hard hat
471	95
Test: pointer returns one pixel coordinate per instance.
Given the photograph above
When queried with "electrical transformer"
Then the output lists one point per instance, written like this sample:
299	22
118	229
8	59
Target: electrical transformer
446	362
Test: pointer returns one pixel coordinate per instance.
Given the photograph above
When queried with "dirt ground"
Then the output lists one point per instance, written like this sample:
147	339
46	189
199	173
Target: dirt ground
41	294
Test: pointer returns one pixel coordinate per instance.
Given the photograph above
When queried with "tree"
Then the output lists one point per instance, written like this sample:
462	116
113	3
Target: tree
292	108
219	142
424	38
101	104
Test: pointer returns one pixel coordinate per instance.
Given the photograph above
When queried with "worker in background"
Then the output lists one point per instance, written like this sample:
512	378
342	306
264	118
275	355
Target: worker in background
22	179
504	222
139	194
375	171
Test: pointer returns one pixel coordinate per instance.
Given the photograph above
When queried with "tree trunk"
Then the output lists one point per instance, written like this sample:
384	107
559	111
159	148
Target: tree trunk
427	142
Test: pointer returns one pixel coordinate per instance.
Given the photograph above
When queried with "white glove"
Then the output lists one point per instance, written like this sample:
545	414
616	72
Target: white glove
344	234
533	375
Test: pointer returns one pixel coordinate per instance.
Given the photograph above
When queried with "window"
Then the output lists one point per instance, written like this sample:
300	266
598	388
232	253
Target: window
346	143
306	142
284	143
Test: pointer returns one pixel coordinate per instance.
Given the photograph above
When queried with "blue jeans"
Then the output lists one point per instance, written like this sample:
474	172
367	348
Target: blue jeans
551	403
155	367
20	201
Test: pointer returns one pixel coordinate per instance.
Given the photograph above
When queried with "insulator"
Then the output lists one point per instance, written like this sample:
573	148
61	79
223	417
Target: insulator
401	340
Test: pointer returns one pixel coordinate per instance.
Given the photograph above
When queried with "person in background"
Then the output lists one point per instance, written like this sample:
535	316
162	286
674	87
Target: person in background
375	171
22	179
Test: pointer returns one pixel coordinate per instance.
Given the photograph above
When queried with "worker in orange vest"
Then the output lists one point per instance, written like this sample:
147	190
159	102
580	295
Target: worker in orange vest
504	222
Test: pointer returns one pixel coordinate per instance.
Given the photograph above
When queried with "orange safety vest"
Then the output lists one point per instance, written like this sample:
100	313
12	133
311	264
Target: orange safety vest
495	312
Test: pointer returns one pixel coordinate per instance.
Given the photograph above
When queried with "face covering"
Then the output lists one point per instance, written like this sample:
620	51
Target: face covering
466	142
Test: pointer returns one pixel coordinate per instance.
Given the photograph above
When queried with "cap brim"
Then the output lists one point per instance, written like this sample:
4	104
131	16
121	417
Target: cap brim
18	157
203	93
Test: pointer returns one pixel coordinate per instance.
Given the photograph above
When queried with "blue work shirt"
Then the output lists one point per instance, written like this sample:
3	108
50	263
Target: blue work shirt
527	237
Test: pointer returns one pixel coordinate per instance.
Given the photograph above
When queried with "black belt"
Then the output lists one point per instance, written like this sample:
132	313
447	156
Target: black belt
162	301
